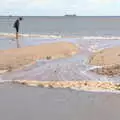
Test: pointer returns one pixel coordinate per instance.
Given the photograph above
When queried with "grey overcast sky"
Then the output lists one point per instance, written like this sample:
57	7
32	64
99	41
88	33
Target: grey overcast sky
60	7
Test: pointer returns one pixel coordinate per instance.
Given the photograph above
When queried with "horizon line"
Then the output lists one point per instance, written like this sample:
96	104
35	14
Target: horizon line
60	15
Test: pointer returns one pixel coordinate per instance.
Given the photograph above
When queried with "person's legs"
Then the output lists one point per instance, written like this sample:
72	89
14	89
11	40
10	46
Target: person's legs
17	41
16	35
17	32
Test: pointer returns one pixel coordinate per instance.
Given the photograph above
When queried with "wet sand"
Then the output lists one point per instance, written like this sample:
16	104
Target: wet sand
31	103
108	56
109	59
17	58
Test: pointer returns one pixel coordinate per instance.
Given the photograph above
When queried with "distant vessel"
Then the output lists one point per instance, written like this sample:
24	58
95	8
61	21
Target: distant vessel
73	15
10	15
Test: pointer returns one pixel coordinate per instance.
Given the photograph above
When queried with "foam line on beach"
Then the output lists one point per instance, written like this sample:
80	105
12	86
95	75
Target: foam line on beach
30	35
101	37
62	36
93	86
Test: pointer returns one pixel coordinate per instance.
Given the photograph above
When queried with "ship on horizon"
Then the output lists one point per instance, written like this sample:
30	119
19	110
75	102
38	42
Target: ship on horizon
70	15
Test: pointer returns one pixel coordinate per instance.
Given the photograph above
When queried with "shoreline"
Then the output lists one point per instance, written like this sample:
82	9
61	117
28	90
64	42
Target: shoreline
90	86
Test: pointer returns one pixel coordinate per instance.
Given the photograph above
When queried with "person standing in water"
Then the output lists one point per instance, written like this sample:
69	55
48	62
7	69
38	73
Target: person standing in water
16	26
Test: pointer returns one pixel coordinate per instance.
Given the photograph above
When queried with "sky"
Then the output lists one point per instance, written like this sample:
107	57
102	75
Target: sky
60	7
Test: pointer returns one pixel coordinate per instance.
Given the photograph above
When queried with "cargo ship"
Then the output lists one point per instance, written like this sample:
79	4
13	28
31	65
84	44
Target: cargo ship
68	15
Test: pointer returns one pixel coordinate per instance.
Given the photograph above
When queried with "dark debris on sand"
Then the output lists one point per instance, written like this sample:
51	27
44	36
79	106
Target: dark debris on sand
111	70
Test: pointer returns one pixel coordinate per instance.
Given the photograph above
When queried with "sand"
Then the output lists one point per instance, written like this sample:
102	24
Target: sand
108	56
109	59
32	103
17	58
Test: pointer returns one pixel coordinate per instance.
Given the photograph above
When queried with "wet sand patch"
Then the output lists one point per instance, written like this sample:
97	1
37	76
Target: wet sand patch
16	58
109	60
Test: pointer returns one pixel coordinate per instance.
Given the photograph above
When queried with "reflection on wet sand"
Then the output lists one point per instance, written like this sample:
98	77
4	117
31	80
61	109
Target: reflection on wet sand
16	58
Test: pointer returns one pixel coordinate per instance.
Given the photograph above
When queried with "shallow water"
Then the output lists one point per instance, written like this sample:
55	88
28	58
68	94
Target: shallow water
72	68
21	102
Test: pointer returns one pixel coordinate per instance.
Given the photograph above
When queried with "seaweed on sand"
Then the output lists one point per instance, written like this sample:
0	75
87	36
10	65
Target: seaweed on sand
108	70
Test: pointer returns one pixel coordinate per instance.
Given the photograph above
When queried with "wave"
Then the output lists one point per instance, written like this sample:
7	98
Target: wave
90	86
102	37
30	35
45	84
83	89
62	36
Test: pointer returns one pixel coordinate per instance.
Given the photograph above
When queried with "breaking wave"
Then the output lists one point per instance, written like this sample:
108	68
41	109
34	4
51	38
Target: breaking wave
62	36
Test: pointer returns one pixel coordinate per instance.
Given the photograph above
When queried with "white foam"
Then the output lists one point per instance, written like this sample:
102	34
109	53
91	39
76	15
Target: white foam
101	37
64	36
96	91
30	35
4	81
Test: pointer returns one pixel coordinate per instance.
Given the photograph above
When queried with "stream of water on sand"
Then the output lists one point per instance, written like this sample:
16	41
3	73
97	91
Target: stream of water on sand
72	68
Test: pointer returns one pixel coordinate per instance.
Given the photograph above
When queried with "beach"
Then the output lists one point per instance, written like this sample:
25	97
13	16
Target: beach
51	100
62	71
34	99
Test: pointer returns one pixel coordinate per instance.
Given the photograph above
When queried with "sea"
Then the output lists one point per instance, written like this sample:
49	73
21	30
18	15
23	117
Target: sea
63	25
89	33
